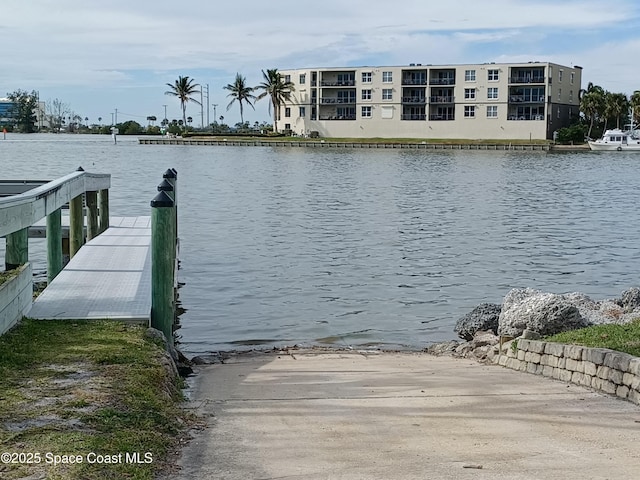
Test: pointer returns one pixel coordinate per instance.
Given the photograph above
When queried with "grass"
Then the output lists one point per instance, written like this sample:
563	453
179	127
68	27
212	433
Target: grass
623	338
72	388
6	275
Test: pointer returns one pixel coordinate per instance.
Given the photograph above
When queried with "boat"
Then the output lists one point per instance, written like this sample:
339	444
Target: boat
619	140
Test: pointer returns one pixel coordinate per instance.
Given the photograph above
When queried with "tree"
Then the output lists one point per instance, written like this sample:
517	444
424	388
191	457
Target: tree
57	110
278	89
616	106
23	110
240	92
592	105
183	88
151	119
635	105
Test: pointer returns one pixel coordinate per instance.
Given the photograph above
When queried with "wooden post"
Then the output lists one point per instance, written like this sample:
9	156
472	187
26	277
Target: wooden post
162	265
76	225
17	249
167	187
103	198
171	175
92	214
54	244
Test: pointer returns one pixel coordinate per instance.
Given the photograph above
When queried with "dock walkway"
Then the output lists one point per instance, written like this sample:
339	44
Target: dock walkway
109	277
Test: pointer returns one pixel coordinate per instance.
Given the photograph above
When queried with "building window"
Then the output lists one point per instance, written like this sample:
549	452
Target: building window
303	78
287	126
559	94
558	112
493	75
287	78
559	75
492	92
366	94
387	77
469	75
302	111
492	111
387	94
469	111
287	112
570	96
366	77
366	112
572	77
470	93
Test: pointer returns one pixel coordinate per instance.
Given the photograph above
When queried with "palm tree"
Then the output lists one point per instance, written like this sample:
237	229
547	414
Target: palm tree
592	105
183	88
278	89
635	104
617	105
240	92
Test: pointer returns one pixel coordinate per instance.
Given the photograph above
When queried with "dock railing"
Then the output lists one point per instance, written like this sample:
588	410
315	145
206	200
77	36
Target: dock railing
19	211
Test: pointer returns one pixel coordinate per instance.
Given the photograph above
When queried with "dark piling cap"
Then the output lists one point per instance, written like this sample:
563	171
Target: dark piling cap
175	171
165	186
162	200
79	169
169	174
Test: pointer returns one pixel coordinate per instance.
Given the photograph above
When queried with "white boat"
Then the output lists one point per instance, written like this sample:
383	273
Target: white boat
616	139
620	140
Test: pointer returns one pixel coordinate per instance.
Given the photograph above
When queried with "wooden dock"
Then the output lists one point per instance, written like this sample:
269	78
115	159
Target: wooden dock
108	278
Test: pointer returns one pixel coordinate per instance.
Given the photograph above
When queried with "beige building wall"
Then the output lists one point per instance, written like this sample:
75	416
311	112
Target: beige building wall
474	101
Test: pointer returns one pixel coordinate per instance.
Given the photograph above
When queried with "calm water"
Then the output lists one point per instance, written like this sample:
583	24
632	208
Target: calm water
366	247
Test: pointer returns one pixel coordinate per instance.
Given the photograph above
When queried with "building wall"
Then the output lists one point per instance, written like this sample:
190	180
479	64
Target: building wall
502	108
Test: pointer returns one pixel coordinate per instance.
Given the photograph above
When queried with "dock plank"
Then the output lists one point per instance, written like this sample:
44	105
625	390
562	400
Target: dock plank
109	278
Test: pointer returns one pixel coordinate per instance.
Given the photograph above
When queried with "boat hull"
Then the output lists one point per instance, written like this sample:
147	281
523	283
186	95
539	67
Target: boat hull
613	147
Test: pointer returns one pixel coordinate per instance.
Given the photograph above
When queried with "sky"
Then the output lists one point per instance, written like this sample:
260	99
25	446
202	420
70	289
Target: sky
101	56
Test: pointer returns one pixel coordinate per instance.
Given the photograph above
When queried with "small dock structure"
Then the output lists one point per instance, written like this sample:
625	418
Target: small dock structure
120	268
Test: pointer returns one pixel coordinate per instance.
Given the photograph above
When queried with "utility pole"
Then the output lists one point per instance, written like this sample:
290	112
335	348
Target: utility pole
112	119
208	122
165	114
214	112
116	116
201	109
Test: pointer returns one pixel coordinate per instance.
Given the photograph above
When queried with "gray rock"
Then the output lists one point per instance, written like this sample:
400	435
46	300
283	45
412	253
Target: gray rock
544	313
483	317
630	300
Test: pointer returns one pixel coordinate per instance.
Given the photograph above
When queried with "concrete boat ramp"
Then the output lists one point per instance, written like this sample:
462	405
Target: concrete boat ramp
108	278
316	415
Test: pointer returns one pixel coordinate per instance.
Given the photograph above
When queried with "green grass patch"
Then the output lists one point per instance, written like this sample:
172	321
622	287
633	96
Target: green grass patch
623	338
7	275
81	388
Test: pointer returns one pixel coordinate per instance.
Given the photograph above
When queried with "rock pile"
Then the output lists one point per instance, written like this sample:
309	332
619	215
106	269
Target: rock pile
534	313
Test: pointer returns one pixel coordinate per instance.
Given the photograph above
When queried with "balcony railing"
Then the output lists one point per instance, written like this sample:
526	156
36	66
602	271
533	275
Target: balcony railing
413	116
526	98
338	100
344	83
337	117
436	117
525	117
441	99
414	81
414	100
442	81
528	79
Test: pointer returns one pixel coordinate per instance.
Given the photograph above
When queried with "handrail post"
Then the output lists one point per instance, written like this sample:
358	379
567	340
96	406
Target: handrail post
92	214
54	244
17	249
162	264
103	200
171	175
76	225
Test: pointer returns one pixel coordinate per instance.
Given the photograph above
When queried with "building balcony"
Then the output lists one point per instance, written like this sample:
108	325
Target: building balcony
413	116
337	117
414	81
442	99
414	100
528	79
526	99
344	83
330	100
525	117
438	117
442	81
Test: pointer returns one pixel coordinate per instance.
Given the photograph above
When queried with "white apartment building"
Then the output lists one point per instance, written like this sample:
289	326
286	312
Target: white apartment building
476	101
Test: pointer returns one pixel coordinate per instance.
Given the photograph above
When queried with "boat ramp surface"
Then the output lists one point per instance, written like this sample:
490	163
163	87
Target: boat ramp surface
108	278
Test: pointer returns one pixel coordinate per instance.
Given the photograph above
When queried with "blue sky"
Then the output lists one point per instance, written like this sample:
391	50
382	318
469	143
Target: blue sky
101	56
